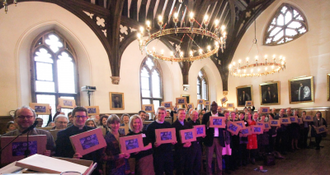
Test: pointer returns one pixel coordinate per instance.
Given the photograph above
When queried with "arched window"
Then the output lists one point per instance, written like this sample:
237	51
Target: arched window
54	72
151	83
287	24
202	87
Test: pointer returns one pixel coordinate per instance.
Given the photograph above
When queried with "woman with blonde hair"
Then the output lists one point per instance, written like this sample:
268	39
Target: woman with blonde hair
144	159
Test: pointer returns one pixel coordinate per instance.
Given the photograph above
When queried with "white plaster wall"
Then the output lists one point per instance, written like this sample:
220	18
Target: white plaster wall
308	55
22	25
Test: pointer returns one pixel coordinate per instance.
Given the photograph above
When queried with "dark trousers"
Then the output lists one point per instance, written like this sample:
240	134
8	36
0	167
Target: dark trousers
318	140
305	137
243	153
163	163
282	141
196	157
183	161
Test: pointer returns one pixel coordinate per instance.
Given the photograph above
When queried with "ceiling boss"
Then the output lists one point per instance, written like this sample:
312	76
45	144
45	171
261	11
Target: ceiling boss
217	37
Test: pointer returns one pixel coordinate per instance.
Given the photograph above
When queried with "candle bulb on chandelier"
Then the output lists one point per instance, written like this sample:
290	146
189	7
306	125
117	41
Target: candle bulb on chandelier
200	51
141	30
181	54
171	54
209	48
162	52
191	53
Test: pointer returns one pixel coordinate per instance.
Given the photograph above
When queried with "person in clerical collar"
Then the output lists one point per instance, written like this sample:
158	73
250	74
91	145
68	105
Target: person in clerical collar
63	144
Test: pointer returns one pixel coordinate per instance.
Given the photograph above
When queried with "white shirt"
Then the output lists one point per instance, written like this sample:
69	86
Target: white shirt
216	130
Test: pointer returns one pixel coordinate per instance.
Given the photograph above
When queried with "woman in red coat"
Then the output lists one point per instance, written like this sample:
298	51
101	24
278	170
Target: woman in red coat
252	145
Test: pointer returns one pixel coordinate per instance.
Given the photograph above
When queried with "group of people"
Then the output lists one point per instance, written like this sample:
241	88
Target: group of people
181	158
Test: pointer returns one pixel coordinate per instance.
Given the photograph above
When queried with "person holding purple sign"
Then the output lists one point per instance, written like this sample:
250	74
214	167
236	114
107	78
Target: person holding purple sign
318	121
252	144
25	117
143	159
116	162
214	140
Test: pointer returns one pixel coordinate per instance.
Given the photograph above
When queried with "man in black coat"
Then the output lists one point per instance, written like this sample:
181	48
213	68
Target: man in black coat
63	144
214	139
182	158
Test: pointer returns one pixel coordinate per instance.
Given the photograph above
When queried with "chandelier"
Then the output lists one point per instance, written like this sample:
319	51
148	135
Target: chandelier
5	4
257	67
219	35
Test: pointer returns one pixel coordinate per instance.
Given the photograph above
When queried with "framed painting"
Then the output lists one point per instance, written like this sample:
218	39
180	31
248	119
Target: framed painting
40	108
320	129
93	110
248	103
187	97
293	119
131	144
167	135
217	122
148	108
301	90
307	118
240	124
264	109
328	86
88	141
67	103
167	105
16	150
245	132
230	105
243	94
190	106
285	120
224	100
233	128
200	101
270	93
188	135
181	100
117	101
275	123
256	129
200	130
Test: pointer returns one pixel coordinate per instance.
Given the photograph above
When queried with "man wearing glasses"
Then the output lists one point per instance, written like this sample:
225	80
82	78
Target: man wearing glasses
63	144
25	117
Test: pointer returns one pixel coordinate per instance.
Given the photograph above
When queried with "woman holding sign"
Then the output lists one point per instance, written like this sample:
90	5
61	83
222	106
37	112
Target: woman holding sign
252	139
318	122
116	162
143	160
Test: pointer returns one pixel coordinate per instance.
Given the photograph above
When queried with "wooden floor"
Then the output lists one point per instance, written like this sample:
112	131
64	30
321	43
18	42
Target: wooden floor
299	162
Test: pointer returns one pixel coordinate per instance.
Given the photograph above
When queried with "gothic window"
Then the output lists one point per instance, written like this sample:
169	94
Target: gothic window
54	72
287	24
202	87
151	83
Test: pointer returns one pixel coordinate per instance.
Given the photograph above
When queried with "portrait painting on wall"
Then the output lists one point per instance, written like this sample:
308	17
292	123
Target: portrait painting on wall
301	90
270	93
243	93
117	101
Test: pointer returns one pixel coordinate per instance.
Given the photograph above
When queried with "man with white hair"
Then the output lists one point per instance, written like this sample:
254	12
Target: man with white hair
61	122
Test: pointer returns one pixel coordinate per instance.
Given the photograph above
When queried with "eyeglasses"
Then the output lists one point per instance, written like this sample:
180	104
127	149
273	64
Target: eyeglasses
81	116
22	117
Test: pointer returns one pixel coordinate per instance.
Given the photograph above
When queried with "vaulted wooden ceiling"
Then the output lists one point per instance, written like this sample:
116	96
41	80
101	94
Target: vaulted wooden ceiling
115	22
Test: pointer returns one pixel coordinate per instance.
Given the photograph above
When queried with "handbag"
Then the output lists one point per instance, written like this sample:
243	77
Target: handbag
269	159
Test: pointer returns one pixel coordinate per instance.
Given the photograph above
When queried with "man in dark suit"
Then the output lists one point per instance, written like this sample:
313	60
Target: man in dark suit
63	144
245	97
269	96
182	156
214	140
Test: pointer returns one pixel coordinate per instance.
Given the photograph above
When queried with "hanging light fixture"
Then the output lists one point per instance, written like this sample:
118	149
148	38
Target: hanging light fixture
5	5
218	35
257	66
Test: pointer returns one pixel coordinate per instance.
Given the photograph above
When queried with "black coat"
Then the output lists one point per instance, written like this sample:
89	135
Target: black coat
178	126
208	140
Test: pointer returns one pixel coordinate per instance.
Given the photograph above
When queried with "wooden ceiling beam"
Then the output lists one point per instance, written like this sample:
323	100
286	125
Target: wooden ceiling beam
142	13
133	10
